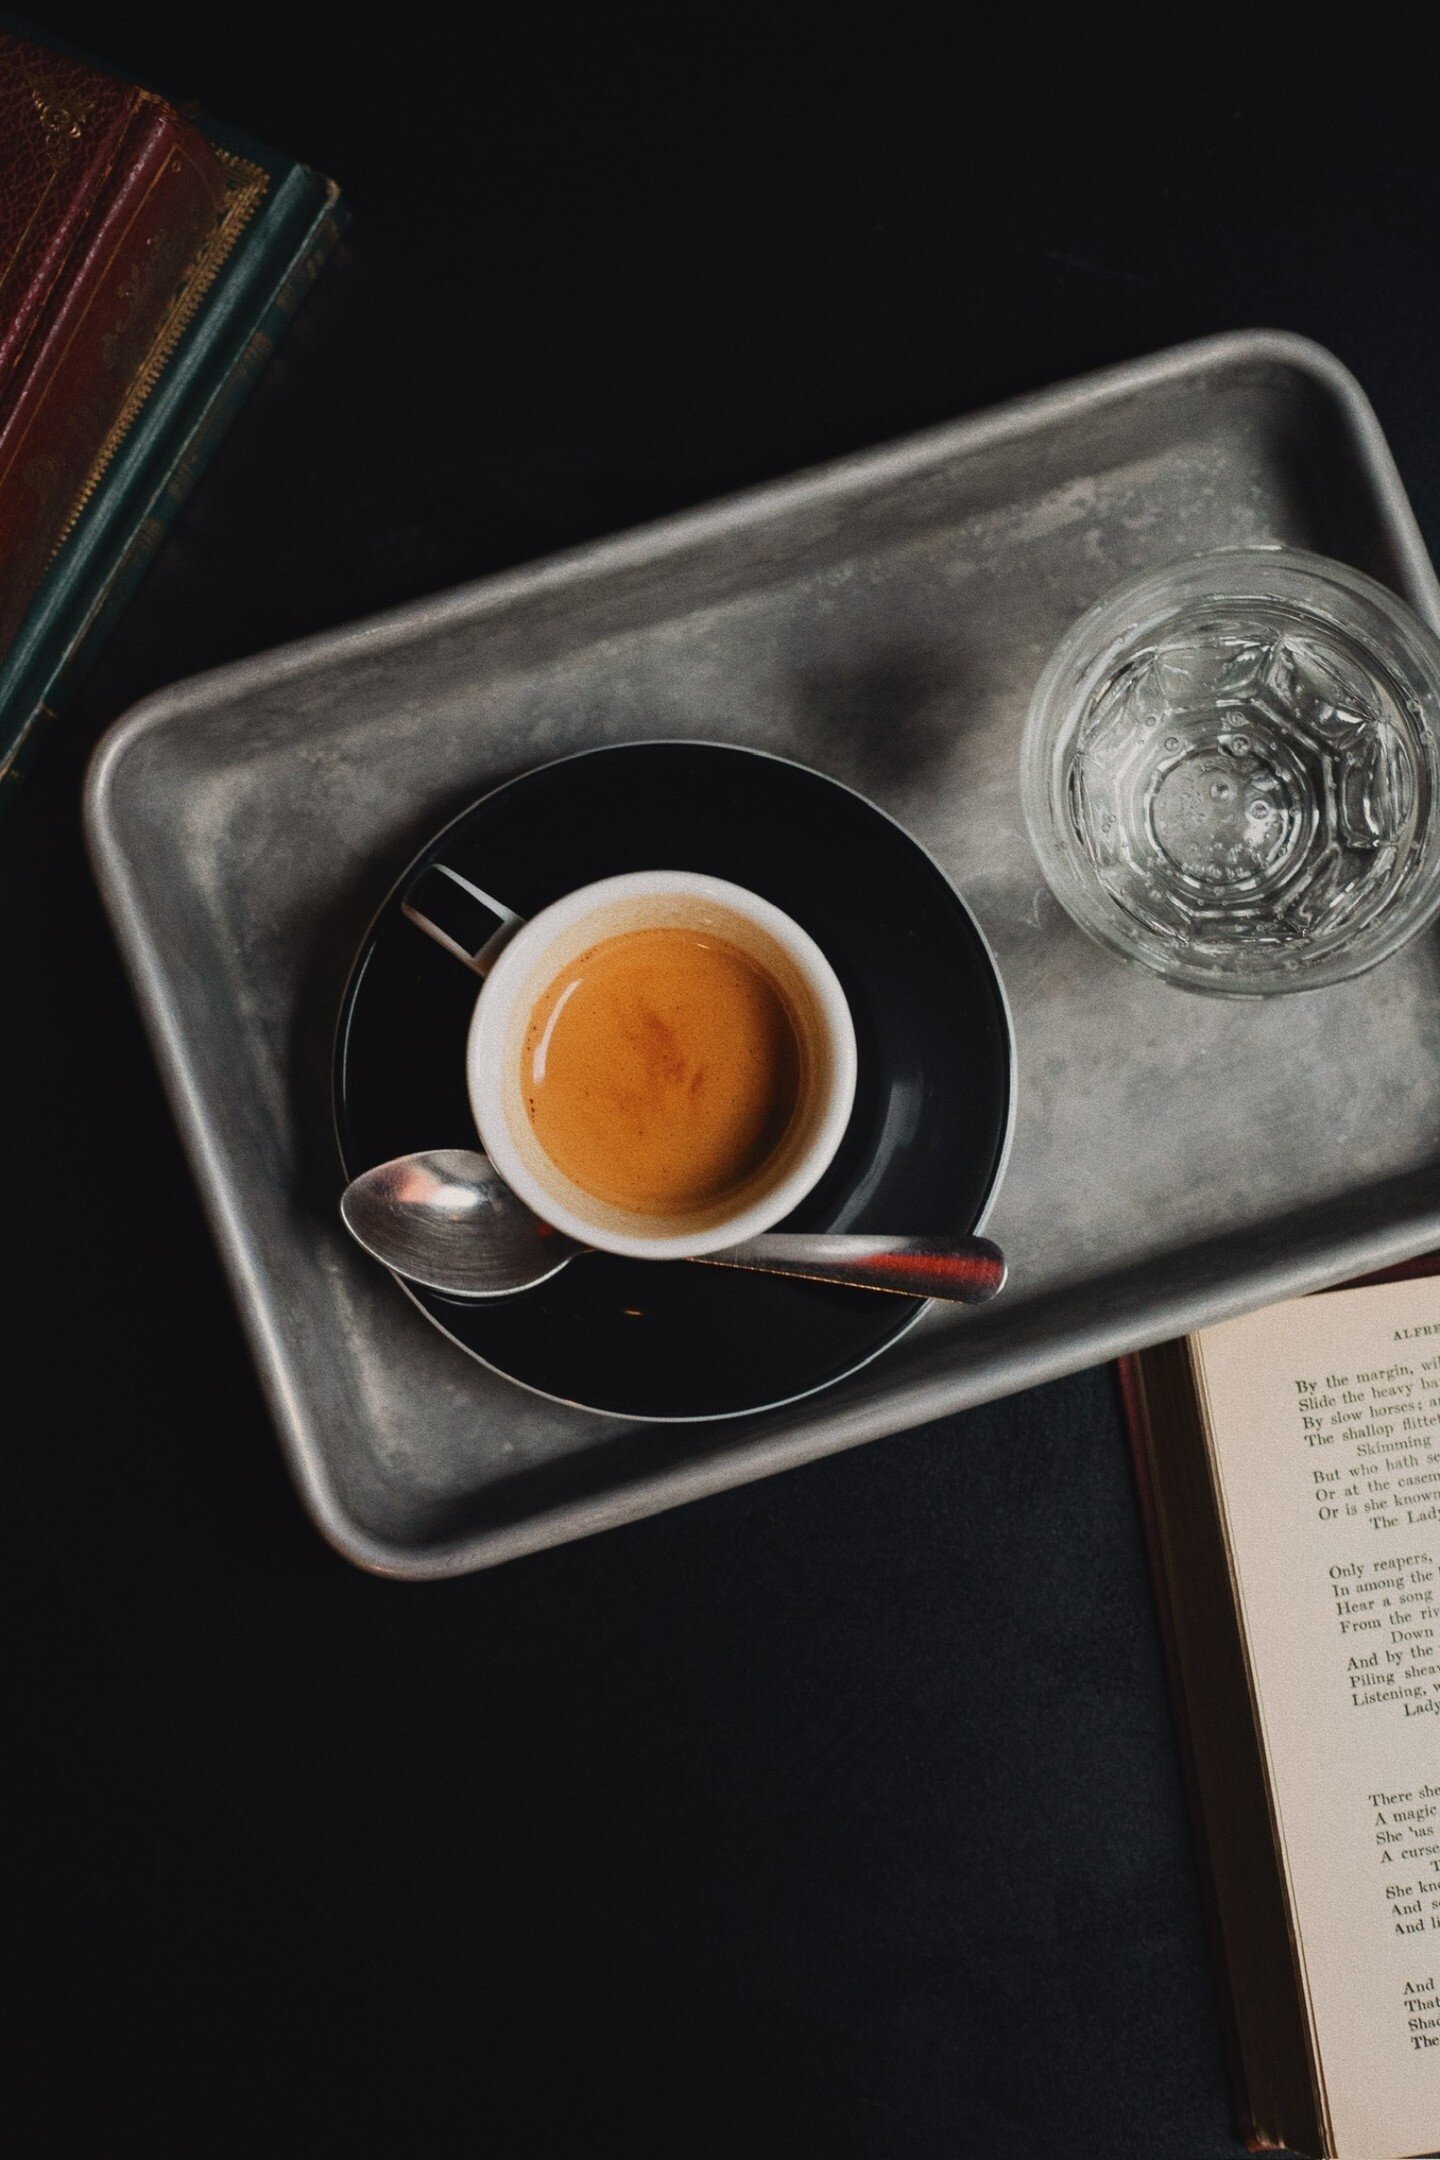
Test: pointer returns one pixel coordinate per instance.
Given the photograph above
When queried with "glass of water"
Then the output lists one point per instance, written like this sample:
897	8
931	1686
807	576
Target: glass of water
1230	772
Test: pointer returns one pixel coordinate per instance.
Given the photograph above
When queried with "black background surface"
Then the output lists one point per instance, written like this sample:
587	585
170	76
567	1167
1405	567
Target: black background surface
840	1815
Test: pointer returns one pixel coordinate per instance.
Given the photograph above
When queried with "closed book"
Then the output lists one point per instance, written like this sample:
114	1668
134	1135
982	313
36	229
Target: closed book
147	264
1289	1471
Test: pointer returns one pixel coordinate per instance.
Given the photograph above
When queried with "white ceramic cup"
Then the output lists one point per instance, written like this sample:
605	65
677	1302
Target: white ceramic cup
522	960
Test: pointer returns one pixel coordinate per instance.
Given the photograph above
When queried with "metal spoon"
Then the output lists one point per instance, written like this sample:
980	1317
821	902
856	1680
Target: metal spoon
448	1220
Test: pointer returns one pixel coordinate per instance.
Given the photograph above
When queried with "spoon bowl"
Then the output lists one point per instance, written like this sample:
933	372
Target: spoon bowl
447	1219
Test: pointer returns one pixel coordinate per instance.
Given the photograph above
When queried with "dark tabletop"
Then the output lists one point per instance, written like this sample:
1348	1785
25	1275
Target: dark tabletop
839	1816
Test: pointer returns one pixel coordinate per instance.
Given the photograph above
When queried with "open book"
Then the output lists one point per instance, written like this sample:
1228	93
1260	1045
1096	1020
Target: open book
1290	1467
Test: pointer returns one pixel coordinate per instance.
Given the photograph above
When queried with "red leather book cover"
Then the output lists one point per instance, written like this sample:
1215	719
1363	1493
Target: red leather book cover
109	205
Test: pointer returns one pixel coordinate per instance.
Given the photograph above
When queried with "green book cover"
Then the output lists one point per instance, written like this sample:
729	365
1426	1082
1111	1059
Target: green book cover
271	267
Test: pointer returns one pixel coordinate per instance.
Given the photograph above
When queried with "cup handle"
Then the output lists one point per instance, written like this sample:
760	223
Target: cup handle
467	922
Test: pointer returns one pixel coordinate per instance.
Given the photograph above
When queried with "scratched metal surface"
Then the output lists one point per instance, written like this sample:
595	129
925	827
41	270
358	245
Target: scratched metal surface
1176	1159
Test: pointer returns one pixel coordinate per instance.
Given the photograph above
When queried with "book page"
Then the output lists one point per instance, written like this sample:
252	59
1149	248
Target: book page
1324	1421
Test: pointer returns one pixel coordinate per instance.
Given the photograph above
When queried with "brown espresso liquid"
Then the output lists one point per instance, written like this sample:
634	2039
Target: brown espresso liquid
662	1069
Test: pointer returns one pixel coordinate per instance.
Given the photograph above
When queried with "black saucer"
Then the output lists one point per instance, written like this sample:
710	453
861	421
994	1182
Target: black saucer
650	1339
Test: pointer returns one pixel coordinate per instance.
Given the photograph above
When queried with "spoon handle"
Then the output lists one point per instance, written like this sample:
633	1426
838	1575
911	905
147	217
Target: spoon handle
965	1271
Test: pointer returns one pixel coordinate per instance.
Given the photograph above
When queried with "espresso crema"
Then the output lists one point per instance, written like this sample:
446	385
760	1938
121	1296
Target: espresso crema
662	1069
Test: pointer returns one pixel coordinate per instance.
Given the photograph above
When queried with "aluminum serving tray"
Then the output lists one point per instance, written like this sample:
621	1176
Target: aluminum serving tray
1176	1159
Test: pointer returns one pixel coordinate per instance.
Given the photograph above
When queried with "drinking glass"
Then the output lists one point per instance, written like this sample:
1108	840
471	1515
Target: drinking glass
1229	771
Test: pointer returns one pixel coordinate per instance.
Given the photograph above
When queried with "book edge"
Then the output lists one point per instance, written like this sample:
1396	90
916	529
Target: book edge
249	184
1280	2100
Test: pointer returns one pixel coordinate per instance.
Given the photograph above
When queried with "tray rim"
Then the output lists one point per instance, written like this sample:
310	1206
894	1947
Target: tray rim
1020	1363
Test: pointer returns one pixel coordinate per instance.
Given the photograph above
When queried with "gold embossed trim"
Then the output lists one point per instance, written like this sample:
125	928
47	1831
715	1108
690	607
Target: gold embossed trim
245	189
63	124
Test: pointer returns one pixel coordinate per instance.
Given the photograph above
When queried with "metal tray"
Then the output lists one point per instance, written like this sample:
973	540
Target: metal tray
1176	1159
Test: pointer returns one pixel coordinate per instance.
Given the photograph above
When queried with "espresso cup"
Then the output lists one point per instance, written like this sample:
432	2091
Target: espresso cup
768	1049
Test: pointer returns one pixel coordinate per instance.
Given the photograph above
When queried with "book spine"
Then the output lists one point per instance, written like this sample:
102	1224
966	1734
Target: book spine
199	450
1152	1385
51	681
1130	1382
167	196
76	121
